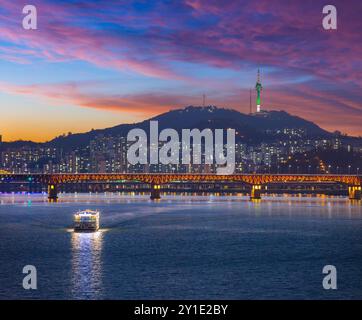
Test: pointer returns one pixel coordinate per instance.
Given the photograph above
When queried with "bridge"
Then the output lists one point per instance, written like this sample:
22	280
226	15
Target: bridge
156	180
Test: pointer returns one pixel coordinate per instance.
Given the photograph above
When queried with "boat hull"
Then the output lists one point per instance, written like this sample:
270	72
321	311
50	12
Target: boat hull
86	229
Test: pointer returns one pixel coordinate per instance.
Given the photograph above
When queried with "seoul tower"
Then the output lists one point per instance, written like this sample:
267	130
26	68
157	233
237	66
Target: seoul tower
258	88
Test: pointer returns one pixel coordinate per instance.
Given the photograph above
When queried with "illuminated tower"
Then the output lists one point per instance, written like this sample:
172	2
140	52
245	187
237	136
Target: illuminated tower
258	88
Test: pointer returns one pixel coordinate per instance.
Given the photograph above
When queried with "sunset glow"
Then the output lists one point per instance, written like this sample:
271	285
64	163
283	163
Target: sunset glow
96	64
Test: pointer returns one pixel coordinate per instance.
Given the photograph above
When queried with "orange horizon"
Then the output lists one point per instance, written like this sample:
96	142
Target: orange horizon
45	136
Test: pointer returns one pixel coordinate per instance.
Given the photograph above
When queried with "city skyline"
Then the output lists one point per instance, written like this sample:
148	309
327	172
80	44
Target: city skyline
141	59
275	142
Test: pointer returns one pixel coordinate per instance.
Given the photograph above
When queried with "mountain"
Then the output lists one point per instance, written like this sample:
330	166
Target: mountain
251	129
18	144
258	124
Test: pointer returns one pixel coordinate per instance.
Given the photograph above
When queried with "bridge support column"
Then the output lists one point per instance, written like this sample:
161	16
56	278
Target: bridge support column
255	192
52	193
354	192
155	192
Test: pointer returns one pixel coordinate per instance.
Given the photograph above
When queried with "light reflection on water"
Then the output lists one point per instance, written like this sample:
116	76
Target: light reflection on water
87	264
109	197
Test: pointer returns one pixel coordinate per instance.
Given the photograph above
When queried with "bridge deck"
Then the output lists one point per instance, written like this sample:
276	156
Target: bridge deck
157	178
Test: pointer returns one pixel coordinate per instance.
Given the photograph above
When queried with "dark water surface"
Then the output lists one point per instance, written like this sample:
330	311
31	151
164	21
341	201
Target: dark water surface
181	248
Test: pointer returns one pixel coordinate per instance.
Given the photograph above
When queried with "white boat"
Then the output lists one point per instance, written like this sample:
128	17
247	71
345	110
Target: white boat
86	221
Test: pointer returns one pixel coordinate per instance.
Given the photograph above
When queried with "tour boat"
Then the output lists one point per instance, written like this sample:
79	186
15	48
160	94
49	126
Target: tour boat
86	221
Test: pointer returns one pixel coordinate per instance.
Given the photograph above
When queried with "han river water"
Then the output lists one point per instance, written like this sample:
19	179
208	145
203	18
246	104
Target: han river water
181	247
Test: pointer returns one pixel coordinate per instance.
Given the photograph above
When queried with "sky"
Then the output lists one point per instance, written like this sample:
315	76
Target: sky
96	64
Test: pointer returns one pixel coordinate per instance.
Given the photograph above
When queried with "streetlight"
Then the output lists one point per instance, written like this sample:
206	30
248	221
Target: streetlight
349	169
357	171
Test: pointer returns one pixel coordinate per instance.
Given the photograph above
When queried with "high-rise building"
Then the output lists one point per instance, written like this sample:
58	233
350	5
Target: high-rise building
258	88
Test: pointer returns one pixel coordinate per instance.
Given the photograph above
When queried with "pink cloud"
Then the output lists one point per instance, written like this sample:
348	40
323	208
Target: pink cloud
286	37
328	110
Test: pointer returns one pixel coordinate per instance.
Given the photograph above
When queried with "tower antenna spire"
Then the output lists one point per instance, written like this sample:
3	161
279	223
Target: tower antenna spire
203	100
258	88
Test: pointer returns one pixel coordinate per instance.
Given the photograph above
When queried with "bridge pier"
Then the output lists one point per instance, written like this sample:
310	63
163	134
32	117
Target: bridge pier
155	192
354	192
255	192
52	193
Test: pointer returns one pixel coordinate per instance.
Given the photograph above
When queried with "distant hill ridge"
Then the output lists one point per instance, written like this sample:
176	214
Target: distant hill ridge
251	128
